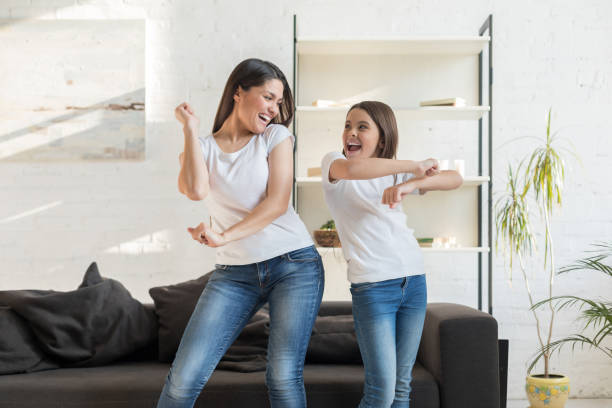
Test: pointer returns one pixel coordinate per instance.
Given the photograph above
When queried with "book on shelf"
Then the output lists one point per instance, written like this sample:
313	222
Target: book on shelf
456	102
314	171
324	103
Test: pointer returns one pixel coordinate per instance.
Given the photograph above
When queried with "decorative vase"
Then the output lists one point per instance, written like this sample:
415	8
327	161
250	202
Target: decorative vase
551	392
327	238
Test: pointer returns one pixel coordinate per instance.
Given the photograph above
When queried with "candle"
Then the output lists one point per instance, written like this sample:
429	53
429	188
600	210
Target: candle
460	167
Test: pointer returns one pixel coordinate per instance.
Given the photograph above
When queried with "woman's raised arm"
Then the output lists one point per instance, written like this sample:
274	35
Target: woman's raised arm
193	176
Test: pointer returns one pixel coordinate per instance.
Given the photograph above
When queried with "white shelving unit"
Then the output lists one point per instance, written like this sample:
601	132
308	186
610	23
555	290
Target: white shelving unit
424	113
400	71
327	250
456	45
467	181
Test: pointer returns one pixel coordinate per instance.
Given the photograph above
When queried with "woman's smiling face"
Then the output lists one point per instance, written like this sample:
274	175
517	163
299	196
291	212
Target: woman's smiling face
361	137
257	107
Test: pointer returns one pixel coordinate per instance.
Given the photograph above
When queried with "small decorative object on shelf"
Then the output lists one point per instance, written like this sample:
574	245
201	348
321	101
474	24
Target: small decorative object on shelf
460	166
445	242
456	102
425	242
323	103
327	236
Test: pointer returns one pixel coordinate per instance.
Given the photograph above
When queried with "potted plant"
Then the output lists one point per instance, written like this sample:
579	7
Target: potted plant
596	314
327	236
542	180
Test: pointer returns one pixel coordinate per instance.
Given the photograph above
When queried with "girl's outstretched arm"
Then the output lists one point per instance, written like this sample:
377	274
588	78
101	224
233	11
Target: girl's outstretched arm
372	167
445	180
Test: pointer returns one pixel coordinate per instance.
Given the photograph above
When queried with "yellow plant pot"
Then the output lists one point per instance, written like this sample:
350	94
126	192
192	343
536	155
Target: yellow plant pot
549	392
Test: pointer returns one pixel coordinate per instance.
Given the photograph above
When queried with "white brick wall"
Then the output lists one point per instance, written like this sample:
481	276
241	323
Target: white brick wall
132	221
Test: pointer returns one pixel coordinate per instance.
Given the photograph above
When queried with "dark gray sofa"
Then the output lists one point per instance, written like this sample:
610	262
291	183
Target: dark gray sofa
457	367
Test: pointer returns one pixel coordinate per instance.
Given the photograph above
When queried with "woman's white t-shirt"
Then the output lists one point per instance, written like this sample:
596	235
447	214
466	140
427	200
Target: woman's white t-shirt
238	183
376	242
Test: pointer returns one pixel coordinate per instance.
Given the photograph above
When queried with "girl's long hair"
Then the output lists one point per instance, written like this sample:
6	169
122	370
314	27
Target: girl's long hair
384	118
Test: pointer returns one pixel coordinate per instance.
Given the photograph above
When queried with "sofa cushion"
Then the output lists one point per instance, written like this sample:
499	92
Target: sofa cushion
95	324
174	305
333	341
139	384
19	350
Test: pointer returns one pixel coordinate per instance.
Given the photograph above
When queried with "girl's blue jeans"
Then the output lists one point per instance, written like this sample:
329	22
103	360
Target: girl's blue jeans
389	317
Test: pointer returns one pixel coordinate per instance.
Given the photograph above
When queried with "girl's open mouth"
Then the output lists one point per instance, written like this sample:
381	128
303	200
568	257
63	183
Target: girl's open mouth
353	146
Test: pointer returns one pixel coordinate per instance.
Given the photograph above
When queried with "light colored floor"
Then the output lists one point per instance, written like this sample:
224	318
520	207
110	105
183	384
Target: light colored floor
571	403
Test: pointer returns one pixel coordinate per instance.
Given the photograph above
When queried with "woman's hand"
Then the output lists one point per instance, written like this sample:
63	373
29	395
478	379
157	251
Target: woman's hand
393	195
181	158
429	167
186	116
205	235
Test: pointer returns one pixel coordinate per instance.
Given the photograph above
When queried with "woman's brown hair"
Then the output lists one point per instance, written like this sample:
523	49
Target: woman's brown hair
384	118
254	72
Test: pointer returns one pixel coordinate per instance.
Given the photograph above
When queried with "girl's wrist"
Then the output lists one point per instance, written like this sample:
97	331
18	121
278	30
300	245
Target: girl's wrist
411	166
412	184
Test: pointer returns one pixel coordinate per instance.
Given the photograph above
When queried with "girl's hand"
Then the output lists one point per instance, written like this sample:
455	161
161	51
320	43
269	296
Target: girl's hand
186	116
429	167
205	235
181	158
393	195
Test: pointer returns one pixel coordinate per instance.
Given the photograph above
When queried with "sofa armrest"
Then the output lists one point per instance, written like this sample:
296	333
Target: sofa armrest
459	348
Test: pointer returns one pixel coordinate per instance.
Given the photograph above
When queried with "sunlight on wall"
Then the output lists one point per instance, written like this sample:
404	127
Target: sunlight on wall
151	243
31	212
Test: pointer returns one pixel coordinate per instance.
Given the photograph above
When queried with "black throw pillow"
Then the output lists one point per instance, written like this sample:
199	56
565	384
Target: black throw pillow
333	341
19	350
94	325
174	305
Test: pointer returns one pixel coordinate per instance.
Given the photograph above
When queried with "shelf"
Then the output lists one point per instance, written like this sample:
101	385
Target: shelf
455	45
326	250
425	113
467	181
462	249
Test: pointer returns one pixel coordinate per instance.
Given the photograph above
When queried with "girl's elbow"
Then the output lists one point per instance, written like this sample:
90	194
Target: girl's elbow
455	180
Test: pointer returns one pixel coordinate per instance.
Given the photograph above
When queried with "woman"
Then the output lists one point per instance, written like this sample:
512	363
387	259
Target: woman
264	252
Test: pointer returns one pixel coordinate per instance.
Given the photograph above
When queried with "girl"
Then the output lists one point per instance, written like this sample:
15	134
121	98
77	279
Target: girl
363	186
264	252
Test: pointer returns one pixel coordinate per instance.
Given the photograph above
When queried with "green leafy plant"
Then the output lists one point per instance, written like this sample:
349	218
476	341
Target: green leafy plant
544	177
596	314
329	225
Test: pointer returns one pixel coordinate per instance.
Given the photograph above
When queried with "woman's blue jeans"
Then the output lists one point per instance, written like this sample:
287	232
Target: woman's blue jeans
389	317
292	284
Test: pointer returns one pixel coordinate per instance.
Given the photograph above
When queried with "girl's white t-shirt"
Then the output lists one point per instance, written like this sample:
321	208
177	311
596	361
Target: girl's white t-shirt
376	242
238	183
